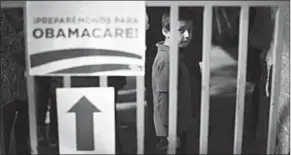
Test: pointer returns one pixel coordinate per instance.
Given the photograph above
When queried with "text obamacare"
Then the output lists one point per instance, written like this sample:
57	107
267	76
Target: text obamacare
50	32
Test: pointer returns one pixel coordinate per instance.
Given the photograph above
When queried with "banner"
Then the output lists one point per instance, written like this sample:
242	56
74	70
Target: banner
85	38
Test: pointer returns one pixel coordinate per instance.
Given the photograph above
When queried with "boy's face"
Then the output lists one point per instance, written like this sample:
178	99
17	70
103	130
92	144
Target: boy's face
185	33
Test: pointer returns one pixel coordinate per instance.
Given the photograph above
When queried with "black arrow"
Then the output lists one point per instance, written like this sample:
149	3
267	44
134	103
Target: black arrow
84	110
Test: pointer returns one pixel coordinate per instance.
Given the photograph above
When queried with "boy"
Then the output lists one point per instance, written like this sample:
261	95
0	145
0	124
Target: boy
160	81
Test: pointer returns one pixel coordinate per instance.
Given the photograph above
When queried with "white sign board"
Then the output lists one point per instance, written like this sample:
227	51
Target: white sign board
86	38
86	119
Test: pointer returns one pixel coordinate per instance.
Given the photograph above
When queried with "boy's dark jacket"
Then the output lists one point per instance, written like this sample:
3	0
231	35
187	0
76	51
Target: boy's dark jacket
185	108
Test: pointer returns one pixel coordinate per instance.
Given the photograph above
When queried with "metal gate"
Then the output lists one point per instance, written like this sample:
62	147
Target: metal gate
207	35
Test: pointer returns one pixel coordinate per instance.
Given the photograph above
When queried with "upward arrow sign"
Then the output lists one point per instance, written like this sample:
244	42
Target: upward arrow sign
84	110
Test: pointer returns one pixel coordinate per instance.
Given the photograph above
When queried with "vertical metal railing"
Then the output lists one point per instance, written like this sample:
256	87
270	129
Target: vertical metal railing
204	118
207	35
103	81
276	75
140	114
30	82
32	114
173	85
67	81
241	79
241	82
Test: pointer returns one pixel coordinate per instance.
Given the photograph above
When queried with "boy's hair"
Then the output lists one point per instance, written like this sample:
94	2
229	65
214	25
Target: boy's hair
184	15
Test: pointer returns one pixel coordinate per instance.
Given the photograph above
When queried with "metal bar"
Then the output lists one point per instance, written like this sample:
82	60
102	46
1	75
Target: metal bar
275	87
103	81
216	3
32	114
241	79
140	114
30	82
207	35
16	4
67	81
174	17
